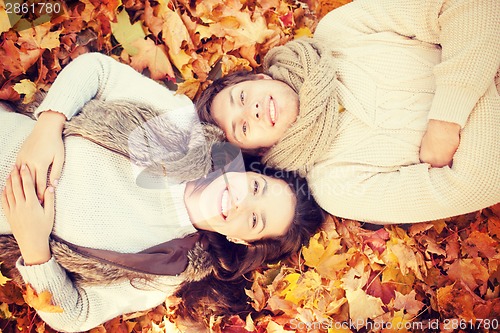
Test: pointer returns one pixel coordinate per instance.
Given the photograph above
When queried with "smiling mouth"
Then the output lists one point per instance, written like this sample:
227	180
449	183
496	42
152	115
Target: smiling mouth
225	203
272	111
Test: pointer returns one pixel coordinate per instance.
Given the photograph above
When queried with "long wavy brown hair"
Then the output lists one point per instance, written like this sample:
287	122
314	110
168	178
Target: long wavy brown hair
222	292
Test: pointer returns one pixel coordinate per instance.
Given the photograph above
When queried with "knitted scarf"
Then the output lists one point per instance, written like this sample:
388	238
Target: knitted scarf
149	140
311	73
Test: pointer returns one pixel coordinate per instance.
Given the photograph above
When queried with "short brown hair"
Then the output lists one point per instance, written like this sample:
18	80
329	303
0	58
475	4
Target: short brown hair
204	103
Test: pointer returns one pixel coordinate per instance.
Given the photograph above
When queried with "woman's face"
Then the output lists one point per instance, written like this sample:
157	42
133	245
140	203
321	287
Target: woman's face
255	114
243	206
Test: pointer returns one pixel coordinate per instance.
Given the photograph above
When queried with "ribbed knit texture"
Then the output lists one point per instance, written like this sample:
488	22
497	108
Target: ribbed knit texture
393	77
312	74
98	203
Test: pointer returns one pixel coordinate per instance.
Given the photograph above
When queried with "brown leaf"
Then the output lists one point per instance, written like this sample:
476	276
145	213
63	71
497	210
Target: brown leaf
408	302
471	271
152	57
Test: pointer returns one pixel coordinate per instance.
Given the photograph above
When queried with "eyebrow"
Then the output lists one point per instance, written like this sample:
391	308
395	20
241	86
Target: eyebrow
263	215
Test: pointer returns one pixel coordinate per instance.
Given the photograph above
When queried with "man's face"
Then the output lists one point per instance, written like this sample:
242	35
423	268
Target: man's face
255	114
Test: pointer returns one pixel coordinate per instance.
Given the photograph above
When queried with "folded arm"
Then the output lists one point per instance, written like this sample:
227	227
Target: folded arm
467	32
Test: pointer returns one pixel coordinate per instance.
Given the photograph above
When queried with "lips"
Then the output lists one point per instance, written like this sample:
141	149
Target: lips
272	112
225	203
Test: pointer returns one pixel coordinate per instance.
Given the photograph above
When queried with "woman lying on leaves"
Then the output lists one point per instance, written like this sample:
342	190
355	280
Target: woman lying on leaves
391	111
133	221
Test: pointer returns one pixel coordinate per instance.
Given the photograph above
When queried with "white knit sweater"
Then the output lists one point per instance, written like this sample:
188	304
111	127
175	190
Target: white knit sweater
400	63
98	203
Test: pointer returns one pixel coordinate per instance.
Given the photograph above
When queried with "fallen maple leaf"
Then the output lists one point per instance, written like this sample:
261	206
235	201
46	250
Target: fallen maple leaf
128	34
40	302
363	306
408	302
480	243
471	271
27	88
153	57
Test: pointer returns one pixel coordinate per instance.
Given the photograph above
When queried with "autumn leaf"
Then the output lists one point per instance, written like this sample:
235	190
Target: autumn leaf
480	243
4	20
40	302
5	312
27	88
470	271
408	302
256	293
3	279
456	301
39	37
363	306
128	34
152	57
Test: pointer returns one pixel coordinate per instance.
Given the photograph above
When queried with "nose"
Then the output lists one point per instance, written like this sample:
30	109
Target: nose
241	201
253	111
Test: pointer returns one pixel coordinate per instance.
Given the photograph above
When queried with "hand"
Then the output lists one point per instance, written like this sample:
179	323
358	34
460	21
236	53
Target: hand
31	224
440	142
44	148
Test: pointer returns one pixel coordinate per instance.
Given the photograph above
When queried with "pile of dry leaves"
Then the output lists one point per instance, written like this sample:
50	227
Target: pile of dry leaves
430	277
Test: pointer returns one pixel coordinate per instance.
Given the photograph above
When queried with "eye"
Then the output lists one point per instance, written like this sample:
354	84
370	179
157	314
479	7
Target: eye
255	187
254	220
244	128
242	97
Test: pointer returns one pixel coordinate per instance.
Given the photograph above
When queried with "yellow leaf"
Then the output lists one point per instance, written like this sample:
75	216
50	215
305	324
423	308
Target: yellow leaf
27	88
313	252
273	327
4	20
127	34
363	306
303	32
5	312
3	279
41	302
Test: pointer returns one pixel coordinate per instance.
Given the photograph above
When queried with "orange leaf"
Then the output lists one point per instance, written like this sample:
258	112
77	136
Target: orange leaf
480	243
153	57
40	302
470	271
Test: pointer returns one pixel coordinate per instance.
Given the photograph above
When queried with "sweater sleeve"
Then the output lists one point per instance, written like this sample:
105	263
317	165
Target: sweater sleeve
98	76
467	31
85	307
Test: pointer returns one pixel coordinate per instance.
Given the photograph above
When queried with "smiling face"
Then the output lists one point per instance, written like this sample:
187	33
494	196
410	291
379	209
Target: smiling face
255	114
246	206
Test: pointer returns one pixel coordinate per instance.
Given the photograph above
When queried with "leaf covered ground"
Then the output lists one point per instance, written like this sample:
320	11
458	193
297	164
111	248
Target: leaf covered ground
431	277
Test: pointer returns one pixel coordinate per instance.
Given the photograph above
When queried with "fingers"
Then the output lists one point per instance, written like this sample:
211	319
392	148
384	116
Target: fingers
55	172
17	186
28	185
48	204
8	192
40	180
5	202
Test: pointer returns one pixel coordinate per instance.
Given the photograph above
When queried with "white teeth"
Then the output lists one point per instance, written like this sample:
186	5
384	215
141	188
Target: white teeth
225	196
272	111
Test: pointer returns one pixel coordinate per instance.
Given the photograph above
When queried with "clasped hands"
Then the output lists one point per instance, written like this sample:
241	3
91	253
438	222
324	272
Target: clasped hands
439	143
26	200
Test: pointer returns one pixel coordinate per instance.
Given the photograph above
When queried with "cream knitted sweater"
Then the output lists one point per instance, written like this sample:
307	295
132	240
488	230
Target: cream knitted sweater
98	203
400	63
